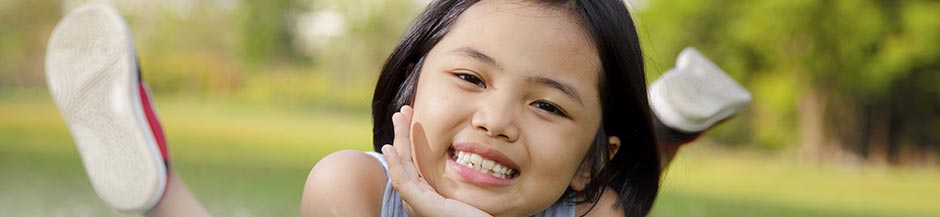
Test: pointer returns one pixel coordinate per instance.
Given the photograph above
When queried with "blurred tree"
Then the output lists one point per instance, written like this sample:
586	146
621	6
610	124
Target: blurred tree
265	33
829	77
245	50
24	30
832	72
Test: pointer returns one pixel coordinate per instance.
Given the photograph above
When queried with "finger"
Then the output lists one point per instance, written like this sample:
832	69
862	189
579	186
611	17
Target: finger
415	191
408	209
395	171
407	185
404	184
402	142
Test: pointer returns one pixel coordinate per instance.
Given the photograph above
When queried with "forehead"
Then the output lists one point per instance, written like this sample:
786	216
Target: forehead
527	38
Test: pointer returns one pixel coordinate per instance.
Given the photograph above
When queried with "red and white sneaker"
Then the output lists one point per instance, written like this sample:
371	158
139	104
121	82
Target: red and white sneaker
91	69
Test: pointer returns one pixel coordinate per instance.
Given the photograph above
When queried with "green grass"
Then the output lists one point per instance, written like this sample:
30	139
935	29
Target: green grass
249	160
239	160
705	182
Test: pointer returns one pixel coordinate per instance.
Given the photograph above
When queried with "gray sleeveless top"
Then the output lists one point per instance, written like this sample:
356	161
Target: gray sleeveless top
392	206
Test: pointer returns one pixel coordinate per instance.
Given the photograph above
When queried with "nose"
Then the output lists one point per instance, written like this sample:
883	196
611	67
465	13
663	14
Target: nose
497	118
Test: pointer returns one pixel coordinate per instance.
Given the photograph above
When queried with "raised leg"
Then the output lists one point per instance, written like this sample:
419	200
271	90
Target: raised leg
93	76
690	99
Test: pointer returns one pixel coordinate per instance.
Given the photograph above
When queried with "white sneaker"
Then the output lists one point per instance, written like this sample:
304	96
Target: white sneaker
92	73
695	94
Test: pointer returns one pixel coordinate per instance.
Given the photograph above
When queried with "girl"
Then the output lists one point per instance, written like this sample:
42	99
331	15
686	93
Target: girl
519	108
503	108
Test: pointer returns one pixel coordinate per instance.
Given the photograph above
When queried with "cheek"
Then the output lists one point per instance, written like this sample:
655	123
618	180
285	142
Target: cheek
431	94
437	118
438	106
556	156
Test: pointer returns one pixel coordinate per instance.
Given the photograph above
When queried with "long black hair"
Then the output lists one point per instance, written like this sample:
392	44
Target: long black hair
633	172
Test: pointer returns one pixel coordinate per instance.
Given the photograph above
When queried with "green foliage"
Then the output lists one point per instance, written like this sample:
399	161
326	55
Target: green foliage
856	53
24	29
859	56
230	50
264	32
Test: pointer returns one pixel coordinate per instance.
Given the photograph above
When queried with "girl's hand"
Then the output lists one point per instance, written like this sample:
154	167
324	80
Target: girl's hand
419	198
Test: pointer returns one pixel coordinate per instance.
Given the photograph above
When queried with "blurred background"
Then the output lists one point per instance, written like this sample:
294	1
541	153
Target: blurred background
845	119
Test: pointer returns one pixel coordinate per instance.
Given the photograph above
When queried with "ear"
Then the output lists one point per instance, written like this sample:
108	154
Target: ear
583	176
613	145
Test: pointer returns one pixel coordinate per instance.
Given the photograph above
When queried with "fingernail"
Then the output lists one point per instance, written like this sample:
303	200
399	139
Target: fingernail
385	148
406	109
397	118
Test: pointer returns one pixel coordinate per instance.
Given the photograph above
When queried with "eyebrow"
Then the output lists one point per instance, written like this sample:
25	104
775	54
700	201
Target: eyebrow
564	88
476	54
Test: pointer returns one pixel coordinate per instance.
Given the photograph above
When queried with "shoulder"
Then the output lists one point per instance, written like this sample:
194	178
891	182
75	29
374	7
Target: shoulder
607	205
344	182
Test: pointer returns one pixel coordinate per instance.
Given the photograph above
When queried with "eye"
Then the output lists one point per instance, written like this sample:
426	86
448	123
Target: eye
473	79
549	107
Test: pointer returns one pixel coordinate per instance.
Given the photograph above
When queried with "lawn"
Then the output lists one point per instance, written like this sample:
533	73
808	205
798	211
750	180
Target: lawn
249	160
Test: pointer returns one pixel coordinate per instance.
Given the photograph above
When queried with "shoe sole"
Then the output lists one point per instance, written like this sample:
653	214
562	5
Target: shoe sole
696	94
92	73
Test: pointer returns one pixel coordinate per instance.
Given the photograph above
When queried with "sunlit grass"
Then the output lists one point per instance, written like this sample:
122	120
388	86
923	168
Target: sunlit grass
252	160
722	183
238	159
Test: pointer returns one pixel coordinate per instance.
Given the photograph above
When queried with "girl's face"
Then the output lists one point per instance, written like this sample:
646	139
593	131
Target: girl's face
506	107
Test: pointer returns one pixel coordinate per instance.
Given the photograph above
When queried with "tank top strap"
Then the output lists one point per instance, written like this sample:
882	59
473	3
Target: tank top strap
391	202
380	158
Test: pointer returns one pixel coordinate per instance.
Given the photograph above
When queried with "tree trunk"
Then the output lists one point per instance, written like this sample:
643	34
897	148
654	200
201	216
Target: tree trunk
879	135
812	137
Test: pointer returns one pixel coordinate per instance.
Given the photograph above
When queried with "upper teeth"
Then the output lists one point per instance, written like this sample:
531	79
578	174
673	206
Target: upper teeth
487	166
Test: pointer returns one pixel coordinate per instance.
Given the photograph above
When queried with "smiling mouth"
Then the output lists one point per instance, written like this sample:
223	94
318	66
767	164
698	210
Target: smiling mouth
482	164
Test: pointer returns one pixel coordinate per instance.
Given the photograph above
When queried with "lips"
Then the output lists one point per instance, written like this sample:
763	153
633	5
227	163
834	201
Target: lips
484	160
